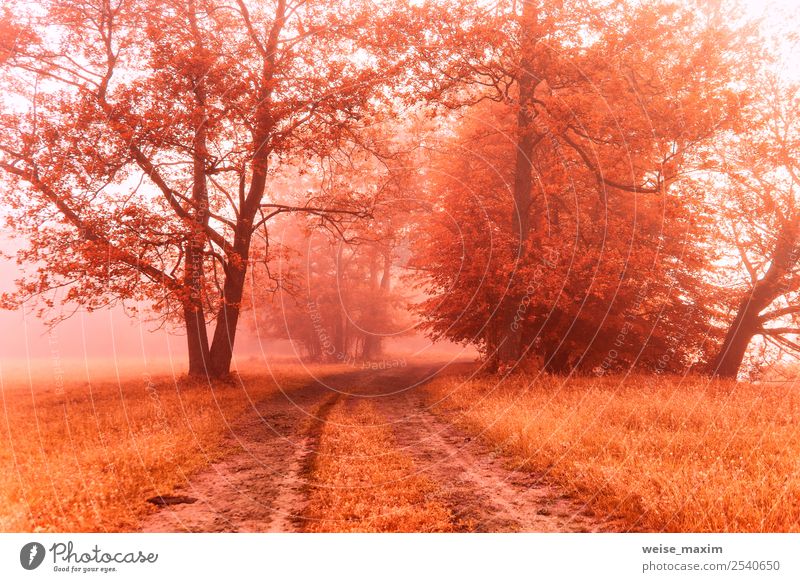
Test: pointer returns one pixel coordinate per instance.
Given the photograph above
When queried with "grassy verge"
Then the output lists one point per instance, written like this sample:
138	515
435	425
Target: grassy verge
85	457
666	454
362	483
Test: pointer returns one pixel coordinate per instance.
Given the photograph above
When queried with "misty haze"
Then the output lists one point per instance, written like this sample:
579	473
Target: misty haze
399	266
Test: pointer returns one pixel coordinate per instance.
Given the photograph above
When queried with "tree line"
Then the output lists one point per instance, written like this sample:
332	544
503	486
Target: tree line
580	186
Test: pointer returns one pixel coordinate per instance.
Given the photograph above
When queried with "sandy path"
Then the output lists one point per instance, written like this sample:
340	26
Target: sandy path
260	486
263	485
481	489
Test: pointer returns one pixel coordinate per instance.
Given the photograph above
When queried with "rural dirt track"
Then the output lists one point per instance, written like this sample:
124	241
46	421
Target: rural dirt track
263	485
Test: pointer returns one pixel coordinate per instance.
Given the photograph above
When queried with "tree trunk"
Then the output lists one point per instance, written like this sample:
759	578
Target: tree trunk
379	290
510	348
747	323
221	352
197	341
236	271
741	332
194	277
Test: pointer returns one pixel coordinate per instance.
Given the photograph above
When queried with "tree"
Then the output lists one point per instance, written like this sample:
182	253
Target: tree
760	176
335	295
601	295
145	134
336	301
611	107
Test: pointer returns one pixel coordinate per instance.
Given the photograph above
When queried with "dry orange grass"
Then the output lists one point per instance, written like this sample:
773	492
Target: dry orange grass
362	483
85	457
666	454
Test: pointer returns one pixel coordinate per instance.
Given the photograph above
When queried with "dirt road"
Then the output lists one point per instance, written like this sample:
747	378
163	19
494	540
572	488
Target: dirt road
264	484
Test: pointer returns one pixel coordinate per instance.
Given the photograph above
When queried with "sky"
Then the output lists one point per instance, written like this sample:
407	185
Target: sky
782	20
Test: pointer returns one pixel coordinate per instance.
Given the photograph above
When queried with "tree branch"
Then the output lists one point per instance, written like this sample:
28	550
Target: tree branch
602	180
89	233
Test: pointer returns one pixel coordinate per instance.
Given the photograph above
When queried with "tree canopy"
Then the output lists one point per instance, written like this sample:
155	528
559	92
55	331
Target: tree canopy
577	186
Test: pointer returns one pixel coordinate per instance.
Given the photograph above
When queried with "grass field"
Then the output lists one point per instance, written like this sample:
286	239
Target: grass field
662	454
665	454
84	456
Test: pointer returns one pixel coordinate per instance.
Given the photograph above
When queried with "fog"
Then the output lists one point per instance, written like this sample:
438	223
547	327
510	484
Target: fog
109	343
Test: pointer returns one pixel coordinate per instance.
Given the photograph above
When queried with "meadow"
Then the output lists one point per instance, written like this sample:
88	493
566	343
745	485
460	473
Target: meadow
664	454
654	452
86	455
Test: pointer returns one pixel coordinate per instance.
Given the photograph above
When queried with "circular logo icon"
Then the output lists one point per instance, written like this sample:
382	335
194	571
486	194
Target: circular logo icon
31	555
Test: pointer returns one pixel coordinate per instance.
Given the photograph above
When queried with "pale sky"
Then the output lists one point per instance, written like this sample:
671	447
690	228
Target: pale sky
782	17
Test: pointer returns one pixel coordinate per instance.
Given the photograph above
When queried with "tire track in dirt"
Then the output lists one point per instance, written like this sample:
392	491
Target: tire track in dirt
261	485
480	489
293	490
